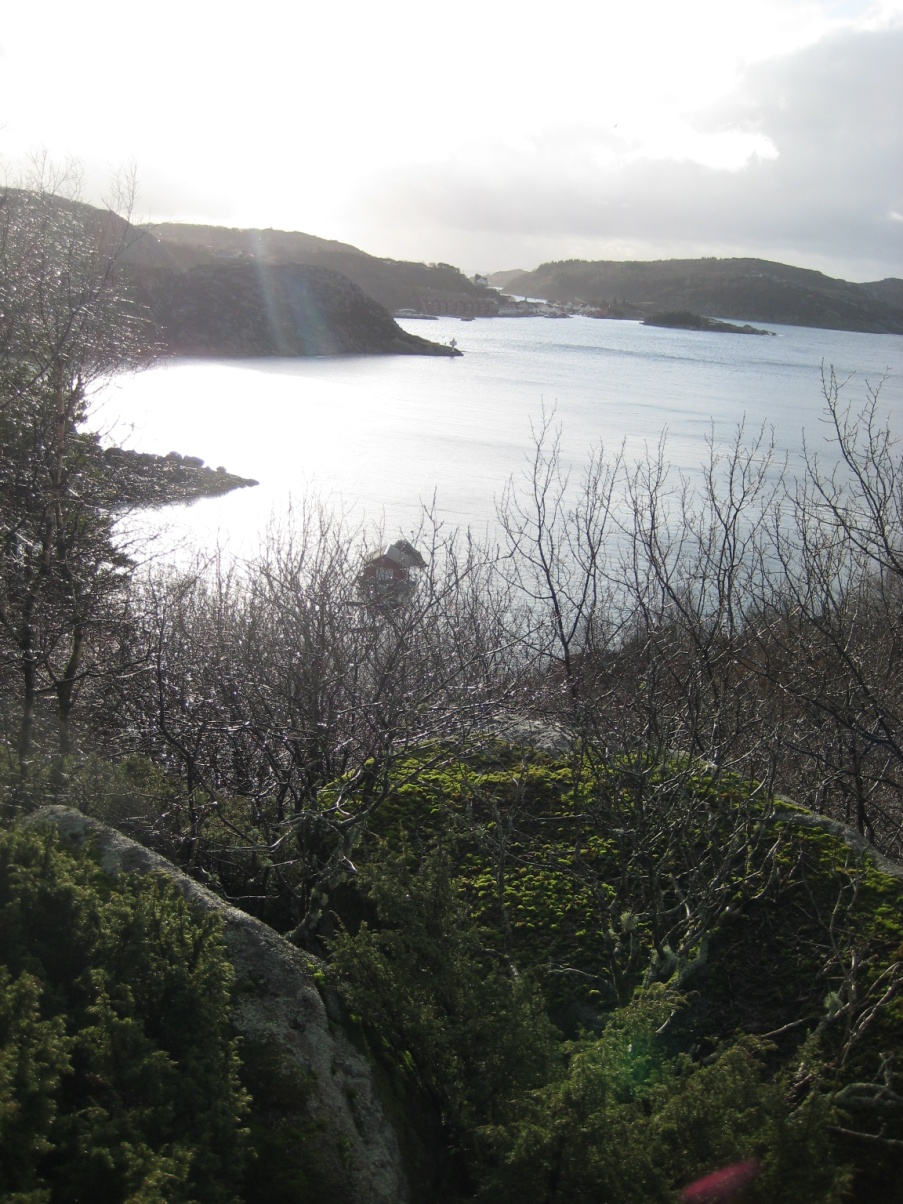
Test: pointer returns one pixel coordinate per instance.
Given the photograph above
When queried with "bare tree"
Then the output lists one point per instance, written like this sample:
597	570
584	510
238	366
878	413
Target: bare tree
635	595
66	322
285	696
694	572
832	639
560	542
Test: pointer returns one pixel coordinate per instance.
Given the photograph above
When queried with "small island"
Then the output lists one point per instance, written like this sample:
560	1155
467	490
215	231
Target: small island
684	320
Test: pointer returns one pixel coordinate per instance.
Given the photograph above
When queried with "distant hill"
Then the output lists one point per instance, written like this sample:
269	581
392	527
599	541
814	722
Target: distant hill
245	308
396	284
753	290
503	279
213	291
889	291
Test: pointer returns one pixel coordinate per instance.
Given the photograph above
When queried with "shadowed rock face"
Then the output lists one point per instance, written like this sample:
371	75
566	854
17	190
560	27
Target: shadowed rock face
252	309
277	1007
393	283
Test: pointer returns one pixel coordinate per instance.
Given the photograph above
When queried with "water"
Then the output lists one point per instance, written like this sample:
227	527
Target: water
377	436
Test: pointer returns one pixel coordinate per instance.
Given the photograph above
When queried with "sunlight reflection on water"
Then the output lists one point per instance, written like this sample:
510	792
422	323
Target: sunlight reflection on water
376	436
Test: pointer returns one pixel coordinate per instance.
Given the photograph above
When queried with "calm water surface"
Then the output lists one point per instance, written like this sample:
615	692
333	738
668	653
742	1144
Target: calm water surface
375	436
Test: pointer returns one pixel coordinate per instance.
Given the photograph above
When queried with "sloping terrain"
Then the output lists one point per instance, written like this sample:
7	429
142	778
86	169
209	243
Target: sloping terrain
437	287
316	1117
753	290
241	308
760	935
549	957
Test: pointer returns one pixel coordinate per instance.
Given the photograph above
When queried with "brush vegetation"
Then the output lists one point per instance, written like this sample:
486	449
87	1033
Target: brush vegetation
530	812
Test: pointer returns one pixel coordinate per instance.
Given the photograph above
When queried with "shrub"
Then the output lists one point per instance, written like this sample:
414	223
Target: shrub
627	1122
118	1070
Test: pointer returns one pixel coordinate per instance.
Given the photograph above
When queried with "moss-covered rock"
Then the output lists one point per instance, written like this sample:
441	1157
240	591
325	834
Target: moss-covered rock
329	1139
118	1064
602	880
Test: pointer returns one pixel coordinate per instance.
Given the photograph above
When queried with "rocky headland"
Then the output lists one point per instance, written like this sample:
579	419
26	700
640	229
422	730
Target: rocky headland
687	321
750	290
143	479
242	308
422	288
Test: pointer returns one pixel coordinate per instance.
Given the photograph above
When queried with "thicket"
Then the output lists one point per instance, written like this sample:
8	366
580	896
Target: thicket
362	772
505	901
750	621
118	1067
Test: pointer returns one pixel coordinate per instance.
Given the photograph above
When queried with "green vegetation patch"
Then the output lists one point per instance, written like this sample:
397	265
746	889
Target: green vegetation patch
600	877
576	891
118	1068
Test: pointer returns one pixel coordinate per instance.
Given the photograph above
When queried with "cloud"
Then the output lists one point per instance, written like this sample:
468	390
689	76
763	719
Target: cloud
800	161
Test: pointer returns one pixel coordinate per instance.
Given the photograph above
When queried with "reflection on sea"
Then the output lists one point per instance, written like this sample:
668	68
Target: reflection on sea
375	437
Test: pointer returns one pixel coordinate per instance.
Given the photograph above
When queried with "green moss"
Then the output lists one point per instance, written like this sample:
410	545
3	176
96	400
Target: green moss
573	872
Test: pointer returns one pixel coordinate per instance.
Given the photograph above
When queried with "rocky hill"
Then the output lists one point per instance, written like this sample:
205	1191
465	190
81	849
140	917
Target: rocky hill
722	963
243	308
434	288
754	290
238	293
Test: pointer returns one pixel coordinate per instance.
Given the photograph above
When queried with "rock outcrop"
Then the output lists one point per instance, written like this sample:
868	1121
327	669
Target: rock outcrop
250	309
396	284
278	1008
683	320
144	479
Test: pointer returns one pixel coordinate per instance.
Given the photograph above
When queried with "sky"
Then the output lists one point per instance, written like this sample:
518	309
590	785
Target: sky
489	134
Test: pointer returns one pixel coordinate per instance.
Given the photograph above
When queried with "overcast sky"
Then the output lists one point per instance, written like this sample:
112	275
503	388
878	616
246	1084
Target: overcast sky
485	133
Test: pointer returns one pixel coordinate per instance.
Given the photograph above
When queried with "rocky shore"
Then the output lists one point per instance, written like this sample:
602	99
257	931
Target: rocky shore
143	479
683	320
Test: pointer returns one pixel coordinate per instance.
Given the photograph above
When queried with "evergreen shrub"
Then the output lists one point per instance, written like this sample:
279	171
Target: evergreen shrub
118	1068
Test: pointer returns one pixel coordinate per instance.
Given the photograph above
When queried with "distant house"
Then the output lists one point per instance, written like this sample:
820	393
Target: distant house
387	576
459	306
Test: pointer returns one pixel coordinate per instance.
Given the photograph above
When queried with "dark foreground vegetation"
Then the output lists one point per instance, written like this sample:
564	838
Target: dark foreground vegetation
531	811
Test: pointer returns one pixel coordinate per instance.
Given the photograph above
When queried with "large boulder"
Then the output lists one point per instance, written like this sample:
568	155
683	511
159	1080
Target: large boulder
281	1016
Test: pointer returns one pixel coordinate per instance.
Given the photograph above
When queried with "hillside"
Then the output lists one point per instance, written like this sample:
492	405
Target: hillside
240	308
502	280
536	951
433	288
228	293
753	290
